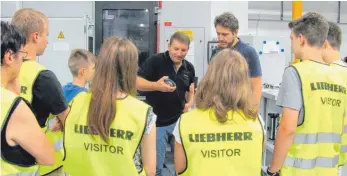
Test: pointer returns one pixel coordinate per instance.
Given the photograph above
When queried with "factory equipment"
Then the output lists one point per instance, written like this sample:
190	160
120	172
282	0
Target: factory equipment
273	125
133	20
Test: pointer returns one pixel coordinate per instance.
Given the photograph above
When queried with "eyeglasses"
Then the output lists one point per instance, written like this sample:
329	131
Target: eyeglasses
25	54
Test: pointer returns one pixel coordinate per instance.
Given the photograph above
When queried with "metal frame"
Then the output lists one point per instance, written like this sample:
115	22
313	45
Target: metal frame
114	5
208	50
338	11
338	20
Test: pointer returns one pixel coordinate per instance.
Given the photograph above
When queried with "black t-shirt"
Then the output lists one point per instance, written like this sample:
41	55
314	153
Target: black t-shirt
168	106
48	97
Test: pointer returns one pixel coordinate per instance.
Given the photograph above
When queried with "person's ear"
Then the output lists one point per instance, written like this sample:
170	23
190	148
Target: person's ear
235	33
83	71
34	36
326	44
8	57
302	39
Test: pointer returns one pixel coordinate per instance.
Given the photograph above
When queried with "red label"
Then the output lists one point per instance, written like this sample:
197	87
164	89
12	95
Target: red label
160	3
167	23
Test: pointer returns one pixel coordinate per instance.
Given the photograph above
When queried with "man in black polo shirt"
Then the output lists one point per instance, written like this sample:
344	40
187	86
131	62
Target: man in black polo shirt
168	102
227	27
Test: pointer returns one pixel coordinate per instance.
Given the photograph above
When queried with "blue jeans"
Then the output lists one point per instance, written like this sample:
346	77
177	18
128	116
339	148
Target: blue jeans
163	134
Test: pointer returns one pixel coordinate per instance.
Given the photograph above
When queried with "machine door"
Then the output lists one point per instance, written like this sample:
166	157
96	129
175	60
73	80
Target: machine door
132	20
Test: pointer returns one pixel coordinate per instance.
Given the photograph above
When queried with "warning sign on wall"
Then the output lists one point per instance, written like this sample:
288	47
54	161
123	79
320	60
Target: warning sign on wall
187	32
61	35
167	23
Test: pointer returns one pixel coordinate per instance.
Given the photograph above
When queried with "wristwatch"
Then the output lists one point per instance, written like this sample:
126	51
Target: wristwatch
272	174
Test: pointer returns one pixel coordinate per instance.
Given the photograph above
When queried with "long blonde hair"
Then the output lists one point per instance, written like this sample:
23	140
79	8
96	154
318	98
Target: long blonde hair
115	72
226	86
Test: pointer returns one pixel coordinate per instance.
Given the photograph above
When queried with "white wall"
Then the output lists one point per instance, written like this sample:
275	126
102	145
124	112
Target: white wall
202	14
238	8
9	7
185	14
66	17
271	11
70	9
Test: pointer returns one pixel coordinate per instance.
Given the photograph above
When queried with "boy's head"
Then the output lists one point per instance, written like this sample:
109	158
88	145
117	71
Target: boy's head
82	64
309	31
334	43
34	25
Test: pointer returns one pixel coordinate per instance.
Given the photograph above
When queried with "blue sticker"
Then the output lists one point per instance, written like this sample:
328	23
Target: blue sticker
282	50
260	52
264	42
277	43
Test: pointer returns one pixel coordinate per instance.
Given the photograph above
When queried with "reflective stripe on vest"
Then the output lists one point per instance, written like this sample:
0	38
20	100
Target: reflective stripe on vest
311	163
317	142
214	139
25	174
28	74
58	145
315	138
342	70
114	157
343	148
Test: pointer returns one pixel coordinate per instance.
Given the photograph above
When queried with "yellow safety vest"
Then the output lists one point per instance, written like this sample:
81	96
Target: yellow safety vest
88	154
342	72
229	149
8	99
27	76
316	145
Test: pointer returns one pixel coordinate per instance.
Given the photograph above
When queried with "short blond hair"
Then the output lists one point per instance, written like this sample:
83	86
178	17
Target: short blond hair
29	20
80	58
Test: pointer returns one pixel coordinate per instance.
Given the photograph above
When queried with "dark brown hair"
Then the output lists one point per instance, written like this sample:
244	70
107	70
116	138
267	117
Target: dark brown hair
181	37
226	86
115	72
313	26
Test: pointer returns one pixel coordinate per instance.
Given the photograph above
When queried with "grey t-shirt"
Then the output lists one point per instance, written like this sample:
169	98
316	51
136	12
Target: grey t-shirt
290	94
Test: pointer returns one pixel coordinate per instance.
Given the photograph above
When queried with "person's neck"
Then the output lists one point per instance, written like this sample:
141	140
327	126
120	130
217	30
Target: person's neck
312	54
121	94
30	48
4	76
79	82
178	65
235	42
333	56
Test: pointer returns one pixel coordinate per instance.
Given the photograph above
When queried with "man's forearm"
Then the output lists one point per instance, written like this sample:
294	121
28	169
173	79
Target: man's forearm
190	95
256	96
144	85
190	98
256	89
62	116
283	142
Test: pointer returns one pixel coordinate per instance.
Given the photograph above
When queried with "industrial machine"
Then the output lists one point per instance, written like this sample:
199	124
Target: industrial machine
133	20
